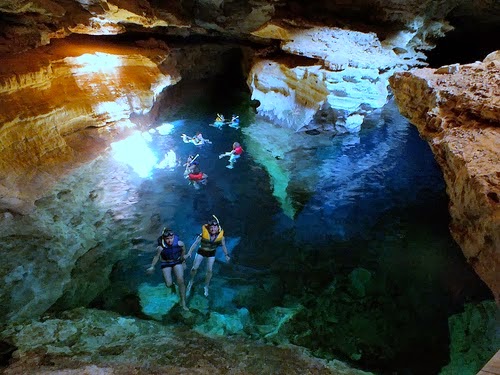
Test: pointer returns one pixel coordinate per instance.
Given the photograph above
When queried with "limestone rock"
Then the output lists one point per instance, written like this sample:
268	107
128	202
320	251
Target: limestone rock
88	341
68	237
343	78
50	96
458	112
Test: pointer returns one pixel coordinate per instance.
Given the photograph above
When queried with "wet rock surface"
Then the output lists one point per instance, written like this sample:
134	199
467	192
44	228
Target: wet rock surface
92	341
457	110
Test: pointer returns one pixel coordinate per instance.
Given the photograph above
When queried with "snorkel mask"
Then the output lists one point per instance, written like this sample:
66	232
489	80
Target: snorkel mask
167	232
214	221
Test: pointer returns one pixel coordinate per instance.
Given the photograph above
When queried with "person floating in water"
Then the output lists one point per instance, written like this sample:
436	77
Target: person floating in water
193	172
211	237
235	122
197	139
234	155
219	122
172	252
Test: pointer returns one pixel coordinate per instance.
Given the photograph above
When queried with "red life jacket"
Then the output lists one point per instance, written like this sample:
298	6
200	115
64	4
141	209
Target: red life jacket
196	177
238	150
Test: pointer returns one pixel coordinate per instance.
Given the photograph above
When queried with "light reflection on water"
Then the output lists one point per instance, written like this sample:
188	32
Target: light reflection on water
379	204
366	175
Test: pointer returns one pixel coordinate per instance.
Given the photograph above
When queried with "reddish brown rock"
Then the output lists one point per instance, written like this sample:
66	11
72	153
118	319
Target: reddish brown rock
457	110
49	96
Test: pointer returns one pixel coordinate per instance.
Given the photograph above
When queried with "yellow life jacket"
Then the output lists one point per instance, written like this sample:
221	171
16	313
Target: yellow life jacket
208	245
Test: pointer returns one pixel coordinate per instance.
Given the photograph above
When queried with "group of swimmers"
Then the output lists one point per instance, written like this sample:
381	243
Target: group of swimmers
220	121
195	176
192	170
171	251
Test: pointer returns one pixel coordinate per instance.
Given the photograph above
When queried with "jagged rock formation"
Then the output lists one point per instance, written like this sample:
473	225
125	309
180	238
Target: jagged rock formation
342	78
457	110
50	96
28	24
91	341
52	119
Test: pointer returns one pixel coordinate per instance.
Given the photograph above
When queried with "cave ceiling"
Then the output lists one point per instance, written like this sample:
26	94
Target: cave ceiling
29	24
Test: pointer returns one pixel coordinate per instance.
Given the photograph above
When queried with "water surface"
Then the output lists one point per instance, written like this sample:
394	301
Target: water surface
367	255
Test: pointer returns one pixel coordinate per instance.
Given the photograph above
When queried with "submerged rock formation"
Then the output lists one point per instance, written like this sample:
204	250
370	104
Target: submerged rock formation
478	325
457	110
92	341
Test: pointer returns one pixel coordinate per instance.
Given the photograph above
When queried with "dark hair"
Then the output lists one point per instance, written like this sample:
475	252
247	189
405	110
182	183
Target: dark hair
213	221
167	232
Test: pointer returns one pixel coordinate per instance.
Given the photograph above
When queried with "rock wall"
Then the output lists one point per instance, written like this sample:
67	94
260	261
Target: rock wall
49	96
351	47
457	110
331	78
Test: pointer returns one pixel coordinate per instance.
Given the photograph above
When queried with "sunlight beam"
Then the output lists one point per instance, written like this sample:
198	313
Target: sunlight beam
135	152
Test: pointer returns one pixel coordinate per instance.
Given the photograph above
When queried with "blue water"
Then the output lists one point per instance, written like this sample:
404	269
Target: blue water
368	253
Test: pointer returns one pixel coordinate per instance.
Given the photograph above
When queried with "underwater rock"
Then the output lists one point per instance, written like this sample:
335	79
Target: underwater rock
284	155
156	301
92	340
224	324
474	338
360	279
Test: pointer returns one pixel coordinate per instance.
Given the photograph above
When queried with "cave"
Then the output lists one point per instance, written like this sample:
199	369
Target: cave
267	187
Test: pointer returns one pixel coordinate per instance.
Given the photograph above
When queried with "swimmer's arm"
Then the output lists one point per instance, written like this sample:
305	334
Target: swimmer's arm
155	259
193	246
224	248
183	247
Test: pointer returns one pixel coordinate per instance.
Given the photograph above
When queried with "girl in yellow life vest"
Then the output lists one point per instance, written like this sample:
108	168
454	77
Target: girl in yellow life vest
211	237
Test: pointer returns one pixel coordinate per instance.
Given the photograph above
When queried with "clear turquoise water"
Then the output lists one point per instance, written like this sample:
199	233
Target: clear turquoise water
368	254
